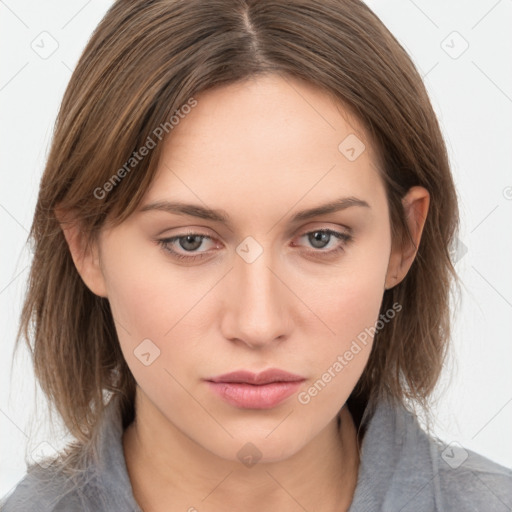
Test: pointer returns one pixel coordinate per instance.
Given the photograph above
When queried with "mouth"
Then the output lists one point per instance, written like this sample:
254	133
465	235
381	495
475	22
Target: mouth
247	390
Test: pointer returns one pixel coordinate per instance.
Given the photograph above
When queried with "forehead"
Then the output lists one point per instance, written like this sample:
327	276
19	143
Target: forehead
267	140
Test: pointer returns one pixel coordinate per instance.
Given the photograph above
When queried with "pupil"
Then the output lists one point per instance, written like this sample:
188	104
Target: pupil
190	239
321	237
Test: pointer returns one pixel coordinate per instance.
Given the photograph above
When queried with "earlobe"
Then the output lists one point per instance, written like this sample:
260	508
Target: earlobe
416	203
85	256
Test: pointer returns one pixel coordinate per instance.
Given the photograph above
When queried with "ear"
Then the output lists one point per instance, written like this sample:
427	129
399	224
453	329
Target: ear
415	203
85	257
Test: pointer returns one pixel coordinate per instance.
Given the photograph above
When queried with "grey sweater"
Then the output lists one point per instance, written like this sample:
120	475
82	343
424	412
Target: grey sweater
402	469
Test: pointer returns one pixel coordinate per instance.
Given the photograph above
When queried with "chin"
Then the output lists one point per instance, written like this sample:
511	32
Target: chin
250	449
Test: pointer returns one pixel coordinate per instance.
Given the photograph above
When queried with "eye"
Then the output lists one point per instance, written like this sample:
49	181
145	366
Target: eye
189	242
321	238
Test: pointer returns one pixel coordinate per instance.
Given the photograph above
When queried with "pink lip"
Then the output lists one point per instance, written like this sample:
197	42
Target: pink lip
248	390
265	377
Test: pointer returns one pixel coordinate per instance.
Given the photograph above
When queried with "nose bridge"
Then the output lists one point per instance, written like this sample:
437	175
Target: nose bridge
257	310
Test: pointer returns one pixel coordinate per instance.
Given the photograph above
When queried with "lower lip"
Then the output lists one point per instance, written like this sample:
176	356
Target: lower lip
248	396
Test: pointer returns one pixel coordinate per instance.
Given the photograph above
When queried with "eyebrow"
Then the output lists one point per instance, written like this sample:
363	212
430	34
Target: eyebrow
202	212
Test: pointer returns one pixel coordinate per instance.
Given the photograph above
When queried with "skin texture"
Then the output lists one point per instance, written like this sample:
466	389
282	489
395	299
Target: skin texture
261	151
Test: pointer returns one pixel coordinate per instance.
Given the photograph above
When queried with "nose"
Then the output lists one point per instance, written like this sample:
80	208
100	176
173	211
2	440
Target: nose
256	304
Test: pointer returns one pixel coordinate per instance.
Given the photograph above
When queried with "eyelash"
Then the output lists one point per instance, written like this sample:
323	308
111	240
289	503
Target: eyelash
165	243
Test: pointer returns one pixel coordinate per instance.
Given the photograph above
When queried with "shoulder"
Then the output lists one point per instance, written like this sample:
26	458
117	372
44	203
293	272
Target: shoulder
467	480
415	470
99	479
43	490
38	492
91	489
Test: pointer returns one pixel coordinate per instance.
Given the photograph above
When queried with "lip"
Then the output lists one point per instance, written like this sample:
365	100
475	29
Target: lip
265	377
248	390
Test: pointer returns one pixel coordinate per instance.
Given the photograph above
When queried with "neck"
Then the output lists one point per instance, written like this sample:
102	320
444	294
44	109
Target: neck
169	471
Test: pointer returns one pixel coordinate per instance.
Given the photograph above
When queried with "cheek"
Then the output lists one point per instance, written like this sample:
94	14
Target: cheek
155	311
349	299
148	313
349	305
147	297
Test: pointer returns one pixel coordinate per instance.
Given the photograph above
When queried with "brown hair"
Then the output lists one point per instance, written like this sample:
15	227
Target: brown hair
147	59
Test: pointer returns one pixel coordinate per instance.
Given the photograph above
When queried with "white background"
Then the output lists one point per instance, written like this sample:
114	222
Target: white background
472	95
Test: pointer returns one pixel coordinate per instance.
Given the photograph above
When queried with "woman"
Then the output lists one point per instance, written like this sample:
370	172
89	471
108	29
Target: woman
242	269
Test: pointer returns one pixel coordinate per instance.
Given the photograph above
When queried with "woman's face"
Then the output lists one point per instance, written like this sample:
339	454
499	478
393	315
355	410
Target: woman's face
267	288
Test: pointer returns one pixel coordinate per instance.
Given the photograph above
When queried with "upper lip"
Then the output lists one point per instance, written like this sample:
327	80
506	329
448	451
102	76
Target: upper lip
265	377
